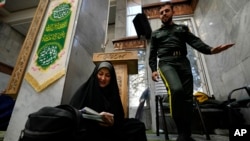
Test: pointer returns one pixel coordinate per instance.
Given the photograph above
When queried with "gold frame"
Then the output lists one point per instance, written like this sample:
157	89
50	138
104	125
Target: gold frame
26	50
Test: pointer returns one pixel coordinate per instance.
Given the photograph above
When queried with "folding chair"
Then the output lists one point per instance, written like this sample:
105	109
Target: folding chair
159	100
199	109
164	109
237	103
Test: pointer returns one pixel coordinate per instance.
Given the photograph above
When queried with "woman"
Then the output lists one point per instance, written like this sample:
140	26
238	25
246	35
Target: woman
101	93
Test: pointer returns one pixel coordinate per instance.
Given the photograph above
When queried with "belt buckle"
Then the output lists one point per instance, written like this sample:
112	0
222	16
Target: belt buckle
176	53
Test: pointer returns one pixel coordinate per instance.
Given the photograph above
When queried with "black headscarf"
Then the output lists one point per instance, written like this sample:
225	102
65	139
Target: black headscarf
106	99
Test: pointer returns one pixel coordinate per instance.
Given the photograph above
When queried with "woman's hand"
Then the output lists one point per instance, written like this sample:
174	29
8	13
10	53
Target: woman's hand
108	119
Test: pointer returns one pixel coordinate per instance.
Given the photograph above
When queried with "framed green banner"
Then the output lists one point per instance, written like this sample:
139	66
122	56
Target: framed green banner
48	63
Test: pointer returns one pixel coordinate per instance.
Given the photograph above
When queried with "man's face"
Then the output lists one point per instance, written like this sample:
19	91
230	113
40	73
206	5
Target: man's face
166	14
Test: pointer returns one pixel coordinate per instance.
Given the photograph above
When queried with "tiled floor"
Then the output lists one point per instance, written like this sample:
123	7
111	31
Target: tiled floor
172	137
196	137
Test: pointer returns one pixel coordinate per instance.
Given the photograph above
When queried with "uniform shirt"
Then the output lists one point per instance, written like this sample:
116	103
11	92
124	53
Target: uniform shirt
171	39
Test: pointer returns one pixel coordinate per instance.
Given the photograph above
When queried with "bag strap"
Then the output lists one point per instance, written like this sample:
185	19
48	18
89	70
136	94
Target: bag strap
21	136
73	110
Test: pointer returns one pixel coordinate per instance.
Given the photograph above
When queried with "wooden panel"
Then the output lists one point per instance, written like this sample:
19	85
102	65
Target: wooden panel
122	80
23	57
181	7
4	68
129	43
126	57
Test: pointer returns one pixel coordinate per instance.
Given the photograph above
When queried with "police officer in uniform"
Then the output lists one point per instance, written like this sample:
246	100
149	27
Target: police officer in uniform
168	43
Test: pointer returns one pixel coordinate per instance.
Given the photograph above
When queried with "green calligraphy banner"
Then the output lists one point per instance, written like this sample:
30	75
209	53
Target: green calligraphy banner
54	36
48	62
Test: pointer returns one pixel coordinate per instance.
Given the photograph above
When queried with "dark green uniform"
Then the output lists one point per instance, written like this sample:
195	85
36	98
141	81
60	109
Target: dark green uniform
169	44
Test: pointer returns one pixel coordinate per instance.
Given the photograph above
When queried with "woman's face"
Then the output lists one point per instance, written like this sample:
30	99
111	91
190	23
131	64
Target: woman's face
104	77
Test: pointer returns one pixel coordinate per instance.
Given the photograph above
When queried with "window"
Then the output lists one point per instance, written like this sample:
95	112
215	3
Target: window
138	82
197	63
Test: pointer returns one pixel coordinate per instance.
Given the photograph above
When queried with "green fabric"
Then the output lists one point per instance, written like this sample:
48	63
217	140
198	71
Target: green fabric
54	36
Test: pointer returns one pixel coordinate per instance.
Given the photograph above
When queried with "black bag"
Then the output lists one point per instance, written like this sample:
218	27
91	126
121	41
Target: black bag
60	123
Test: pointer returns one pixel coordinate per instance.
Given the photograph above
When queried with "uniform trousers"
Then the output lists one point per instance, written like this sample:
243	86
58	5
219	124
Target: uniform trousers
176	73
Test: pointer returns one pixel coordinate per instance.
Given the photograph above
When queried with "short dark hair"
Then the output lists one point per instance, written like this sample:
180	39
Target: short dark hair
167	3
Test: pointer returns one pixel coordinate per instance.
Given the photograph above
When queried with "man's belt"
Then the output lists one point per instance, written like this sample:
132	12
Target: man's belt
174	53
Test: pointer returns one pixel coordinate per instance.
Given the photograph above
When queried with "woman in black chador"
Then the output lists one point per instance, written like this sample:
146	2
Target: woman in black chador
101	93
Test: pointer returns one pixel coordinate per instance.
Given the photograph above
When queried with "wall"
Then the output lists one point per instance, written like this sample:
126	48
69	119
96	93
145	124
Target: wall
10	45
220	22
120	19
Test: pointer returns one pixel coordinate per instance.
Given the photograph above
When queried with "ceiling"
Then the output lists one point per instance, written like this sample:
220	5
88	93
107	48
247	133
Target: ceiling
19	13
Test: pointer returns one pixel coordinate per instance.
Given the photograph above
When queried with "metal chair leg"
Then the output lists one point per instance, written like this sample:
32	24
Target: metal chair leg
202	120
157	115
164	120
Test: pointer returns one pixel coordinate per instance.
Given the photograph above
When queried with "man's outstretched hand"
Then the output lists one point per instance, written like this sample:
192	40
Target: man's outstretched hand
221	48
